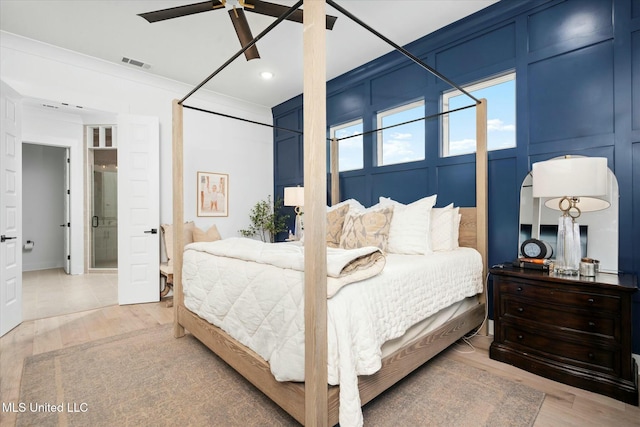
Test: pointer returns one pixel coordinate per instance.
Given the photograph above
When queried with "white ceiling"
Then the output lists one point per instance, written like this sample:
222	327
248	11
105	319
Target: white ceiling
190	48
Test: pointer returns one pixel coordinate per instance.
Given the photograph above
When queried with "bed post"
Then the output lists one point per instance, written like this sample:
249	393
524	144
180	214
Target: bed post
482	189
315	190
178	214
335	172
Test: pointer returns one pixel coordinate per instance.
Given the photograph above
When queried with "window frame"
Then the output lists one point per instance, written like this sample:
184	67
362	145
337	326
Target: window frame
344	125
470	88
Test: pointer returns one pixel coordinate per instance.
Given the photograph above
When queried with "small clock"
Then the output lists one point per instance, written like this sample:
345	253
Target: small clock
534	248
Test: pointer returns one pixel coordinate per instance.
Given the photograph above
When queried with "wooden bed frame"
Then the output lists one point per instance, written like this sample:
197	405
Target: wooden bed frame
313	402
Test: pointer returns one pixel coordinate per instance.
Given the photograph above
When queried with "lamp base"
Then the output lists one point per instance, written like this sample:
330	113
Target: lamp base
565	271
299	227
568	247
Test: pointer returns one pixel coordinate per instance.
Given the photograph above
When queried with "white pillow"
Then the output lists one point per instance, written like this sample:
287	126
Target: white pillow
445	223
410	230
456	227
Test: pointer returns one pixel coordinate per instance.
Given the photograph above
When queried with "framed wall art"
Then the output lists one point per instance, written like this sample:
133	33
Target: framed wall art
213	194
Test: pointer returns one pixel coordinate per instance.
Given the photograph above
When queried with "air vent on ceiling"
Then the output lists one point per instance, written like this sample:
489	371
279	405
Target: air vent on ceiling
135	63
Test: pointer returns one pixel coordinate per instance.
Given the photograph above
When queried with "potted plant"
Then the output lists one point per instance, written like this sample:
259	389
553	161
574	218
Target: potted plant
266	220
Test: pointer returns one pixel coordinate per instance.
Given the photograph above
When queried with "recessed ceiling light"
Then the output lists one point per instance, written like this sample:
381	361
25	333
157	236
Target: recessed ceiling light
267	75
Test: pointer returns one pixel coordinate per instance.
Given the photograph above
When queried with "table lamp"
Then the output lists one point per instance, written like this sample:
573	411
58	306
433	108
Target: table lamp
572	185
294	196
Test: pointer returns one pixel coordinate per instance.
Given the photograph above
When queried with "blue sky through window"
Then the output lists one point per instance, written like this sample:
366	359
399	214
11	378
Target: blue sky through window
350	151
501	119
404	143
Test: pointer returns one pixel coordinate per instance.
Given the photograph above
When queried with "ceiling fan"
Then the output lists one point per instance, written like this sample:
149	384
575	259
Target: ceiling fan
236	10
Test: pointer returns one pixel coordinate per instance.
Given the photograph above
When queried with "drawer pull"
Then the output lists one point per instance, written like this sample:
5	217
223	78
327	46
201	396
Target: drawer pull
590	301
520	337
591	356
519	289
520	309
592	324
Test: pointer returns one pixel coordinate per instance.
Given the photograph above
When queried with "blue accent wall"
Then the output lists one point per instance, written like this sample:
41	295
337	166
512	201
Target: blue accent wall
577	66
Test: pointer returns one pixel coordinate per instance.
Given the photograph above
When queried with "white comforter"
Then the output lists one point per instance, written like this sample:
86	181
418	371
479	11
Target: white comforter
261	305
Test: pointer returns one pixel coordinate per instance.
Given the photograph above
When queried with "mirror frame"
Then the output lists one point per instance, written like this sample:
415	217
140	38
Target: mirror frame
602	226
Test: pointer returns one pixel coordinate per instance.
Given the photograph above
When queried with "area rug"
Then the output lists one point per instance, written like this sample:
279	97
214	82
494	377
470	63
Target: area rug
150	378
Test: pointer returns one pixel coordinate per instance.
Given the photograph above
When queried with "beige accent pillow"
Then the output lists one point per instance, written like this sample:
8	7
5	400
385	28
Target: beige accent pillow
335	222
167	233
353	204
211	235
410	231
370	228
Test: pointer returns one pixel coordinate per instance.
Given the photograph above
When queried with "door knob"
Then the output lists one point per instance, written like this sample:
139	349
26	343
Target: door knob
152	231
4	238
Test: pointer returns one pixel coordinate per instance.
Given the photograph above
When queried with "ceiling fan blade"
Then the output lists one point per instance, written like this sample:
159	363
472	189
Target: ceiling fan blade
276	10
243	31
176	12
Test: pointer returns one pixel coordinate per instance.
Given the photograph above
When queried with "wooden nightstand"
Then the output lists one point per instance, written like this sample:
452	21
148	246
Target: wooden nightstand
572	329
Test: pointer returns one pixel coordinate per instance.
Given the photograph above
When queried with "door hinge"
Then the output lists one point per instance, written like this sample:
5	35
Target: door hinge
68	191
69	257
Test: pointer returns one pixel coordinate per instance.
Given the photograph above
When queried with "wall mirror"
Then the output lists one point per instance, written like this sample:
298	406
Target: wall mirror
598	230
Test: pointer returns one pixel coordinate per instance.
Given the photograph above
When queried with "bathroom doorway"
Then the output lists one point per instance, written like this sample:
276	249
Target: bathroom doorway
103	198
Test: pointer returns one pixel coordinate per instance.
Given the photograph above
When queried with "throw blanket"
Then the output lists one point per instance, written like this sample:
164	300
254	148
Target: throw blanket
343	266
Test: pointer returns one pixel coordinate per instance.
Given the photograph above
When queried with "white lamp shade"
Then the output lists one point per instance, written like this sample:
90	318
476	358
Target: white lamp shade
294	196
570	177
585	204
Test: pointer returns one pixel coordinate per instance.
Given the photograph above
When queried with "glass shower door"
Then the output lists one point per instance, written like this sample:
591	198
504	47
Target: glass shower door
104	210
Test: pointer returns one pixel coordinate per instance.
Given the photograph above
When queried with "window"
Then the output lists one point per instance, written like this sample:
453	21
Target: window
459	128
101	136
403	143
350	150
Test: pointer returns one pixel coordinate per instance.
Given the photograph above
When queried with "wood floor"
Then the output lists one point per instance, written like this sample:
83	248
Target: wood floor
563	405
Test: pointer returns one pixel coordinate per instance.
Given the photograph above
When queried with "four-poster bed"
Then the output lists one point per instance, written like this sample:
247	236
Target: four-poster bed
314	402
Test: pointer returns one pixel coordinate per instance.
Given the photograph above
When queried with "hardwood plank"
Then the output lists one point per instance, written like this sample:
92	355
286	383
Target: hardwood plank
47	335
73	330
563	405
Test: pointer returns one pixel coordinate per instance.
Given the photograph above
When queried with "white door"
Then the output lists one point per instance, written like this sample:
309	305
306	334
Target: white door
138	209
67	216
10	211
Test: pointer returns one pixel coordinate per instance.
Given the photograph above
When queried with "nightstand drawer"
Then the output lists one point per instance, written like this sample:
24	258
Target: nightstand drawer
577	299
597	358
556	317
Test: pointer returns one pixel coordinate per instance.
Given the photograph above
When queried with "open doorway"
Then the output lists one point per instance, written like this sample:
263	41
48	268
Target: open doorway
44	222
47	287
103	206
